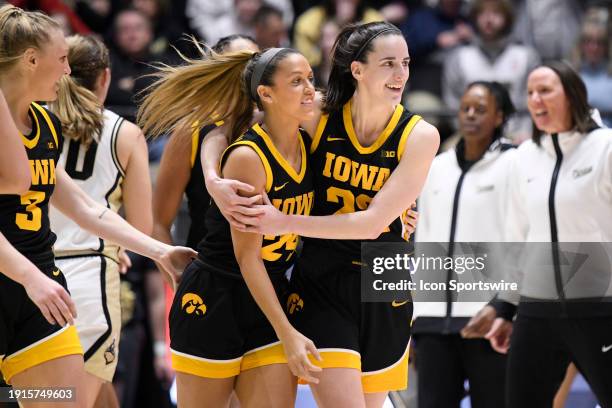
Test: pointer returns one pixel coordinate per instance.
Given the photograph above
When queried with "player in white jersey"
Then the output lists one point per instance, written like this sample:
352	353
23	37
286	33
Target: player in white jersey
107	157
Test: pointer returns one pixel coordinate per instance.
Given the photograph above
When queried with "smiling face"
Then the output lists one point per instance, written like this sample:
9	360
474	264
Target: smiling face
292	91
48	66
478	114
385	73
547	101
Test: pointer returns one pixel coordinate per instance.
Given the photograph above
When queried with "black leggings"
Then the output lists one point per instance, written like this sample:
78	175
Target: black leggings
542	348
443	364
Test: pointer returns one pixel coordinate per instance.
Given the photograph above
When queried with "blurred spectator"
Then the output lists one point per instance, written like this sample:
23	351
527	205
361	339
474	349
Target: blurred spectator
329	32
396	11
97	14
167	30
130	60
492	57
213	19
58	10
308	26
549	26
431	29
269	28
431	33
592	59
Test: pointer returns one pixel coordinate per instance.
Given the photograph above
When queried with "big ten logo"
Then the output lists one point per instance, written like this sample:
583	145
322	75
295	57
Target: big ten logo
294	303
193	304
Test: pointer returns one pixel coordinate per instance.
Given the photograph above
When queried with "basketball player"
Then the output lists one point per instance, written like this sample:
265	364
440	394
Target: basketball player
107	157
228	328
37	353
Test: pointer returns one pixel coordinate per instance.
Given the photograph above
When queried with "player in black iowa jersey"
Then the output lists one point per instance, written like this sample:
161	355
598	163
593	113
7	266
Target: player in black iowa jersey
371	159
227	326
39	345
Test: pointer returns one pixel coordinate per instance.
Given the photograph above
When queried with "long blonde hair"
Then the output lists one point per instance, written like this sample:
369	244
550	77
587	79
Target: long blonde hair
20	30
77	107
206	90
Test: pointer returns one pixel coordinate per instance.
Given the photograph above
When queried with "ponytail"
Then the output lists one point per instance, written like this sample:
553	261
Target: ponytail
204	90
216	87
79	111
76	106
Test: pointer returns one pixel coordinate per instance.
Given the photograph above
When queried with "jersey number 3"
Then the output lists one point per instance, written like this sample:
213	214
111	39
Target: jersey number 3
32	220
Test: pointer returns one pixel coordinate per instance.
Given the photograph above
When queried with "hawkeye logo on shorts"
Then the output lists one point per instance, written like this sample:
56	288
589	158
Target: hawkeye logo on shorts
56	272
294	303
192	303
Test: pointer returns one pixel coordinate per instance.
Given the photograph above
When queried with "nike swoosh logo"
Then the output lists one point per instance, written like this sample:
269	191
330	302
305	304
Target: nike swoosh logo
395	303
332	139
280	187
56	272
605	349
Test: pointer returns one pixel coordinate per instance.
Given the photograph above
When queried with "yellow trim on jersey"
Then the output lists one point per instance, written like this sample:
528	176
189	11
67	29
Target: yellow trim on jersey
31	143
262	157
380	140
279	157
203	367
405	133
49	122
392	378
195	138
263	356
317	136
62	343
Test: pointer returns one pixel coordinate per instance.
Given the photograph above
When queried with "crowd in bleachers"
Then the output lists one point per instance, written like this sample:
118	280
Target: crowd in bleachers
452	43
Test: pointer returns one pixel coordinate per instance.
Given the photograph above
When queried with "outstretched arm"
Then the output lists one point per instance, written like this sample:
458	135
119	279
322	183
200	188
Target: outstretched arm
397	194
101	221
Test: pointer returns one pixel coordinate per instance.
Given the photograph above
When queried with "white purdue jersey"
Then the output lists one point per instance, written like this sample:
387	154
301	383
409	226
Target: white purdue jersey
96	170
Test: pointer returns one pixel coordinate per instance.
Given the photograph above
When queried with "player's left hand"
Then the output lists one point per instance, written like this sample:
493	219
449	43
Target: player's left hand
269	221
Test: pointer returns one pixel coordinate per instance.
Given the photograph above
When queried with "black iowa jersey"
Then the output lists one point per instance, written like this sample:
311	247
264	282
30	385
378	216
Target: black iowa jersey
198	199
24	220
290	192
348	175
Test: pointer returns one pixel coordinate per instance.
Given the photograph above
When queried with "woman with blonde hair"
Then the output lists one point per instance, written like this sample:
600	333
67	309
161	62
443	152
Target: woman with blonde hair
40	348
115	173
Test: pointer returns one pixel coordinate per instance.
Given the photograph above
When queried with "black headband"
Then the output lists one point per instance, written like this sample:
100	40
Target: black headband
260	68
372	38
